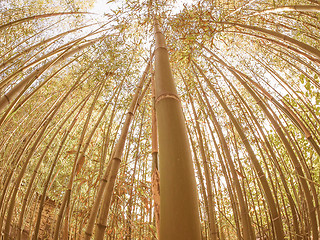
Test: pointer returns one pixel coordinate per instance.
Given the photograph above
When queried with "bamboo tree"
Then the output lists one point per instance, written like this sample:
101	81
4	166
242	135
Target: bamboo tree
306	47
274	161
211	212
130	200
248	231
276	219
41	43
200	177
43	127
291	153
19	21
115	163
26	82
35	171
179	209
155	177
102	180
67	195
16	104
251	115
293	8
230	191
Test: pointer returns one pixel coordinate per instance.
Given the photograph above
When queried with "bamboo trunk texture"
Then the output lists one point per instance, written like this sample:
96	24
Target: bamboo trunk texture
179	214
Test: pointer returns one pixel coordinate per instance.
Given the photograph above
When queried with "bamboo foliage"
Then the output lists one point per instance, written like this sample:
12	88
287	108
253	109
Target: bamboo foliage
116	159
36	17
76	165
209	195
245	218
292	155
221	140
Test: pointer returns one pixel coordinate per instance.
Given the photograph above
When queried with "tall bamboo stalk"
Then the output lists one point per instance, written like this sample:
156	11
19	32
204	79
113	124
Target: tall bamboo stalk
35	171
178	201
275	161
248	231
115	163
129	219
155	177
19	21
12	202
27	81
306	47
205	159
67	195
276	124
46	185
276	218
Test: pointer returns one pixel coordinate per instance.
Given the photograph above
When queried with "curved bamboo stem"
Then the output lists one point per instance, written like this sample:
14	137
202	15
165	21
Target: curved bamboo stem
293	8
46	185
115	163
276	219
10	24
78	157
21	86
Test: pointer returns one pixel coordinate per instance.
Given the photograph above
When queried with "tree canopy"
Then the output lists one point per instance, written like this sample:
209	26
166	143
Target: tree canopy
83	106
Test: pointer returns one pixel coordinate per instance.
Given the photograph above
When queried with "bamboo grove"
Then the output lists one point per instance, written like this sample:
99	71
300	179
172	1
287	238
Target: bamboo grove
160	120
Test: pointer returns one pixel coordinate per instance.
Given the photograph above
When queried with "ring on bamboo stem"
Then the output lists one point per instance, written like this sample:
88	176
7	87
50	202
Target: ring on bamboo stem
163	47
117	158
101	225
6	97
88	234
104	180
167	95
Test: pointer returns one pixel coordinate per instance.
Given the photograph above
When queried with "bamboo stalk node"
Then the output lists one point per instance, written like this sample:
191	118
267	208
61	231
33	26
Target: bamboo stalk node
167	95
117	158
275	219
102	225
259	101
163	47
88	234
7	98
104	179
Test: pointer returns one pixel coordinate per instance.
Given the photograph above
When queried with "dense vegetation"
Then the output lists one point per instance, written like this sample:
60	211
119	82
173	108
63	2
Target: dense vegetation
83	100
